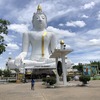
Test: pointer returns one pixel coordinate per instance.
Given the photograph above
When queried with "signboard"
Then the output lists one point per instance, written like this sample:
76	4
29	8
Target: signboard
87	70
93	70
90	70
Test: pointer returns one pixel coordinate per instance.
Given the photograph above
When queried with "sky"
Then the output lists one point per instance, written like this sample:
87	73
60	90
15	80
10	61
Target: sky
77	22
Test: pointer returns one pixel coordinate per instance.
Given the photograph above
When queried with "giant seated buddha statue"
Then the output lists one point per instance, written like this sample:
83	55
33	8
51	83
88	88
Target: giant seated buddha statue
41	41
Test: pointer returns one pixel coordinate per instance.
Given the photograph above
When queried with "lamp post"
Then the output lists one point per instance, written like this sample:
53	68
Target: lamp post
63	62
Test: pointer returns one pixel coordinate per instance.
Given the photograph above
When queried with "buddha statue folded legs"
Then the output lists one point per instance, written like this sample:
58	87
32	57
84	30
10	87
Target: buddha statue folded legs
32	64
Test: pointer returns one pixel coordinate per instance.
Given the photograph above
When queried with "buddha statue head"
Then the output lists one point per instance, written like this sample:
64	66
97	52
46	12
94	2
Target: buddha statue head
39	20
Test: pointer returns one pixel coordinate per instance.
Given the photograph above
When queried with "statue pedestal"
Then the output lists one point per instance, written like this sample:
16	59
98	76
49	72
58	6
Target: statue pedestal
60	53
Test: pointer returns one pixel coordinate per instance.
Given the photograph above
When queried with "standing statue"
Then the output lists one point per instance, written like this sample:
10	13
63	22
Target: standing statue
42	42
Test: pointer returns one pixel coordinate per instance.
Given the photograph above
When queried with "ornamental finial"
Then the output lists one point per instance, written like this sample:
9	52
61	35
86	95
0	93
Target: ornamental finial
62	42
39	8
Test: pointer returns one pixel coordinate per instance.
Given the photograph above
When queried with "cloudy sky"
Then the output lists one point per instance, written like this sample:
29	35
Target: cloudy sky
77	22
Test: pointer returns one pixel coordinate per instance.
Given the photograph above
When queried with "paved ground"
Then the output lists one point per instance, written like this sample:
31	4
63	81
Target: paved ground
23	92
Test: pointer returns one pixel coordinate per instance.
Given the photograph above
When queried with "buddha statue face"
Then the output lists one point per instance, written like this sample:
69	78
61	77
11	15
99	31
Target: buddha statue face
39	20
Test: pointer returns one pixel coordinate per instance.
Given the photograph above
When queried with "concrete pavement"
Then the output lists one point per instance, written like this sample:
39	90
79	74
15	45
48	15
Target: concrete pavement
23	92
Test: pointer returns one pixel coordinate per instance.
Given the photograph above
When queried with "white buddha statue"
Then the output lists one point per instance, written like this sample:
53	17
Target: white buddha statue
42	42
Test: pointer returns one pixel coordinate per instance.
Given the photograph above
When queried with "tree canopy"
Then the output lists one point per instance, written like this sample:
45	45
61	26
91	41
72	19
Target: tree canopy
79	67
3	30
0	72
7	73
95	63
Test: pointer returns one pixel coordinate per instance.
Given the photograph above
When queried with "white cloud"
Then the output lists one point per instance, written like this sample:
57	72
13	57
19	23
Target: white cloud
18	28
61	24
12	46
98	16
89	39
59	13
70	24
94	42
76	23
83	43
7	38
25	14
94	32
85	16
89	5
1	57
10	53
60	32
85	57
87	43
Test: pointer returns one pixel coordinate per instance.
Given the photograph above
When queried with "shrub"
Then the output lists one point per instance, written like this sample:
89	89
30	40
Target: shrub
68	78
84	79
49	80
12	81
0	72
44	79
96	77
7	73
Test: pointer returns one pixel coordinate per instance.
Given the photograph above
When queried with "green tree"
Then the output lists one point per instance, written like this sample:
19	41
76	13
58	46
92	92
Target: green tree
3	30
95	63
0	72
79	67
7	73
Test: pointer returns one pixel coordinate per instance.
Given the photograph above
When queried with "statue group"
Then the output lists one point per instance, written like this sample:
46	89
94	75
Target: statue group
41	41
44	53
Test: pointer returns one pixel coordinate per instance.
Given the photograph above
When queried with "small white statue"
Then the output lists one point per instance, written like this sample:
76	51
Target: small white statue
42	42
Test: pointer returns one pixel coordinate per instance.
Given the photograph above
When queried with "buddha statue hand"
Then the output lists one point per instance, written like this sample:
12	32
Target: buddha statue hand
19	59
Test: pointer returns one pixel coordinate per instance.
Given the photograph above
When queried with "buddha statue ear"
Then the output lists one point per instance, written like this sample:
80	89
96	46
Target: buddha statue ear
34	14
33	17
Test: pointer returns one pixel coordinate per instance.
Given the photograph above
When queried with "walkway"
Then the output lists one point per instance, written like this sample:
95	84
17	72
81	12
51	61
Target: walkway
23	92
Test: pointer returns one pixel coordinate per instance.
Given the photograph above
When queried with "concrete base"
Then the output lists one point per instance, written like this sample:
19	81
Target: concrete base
67	85
18	81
